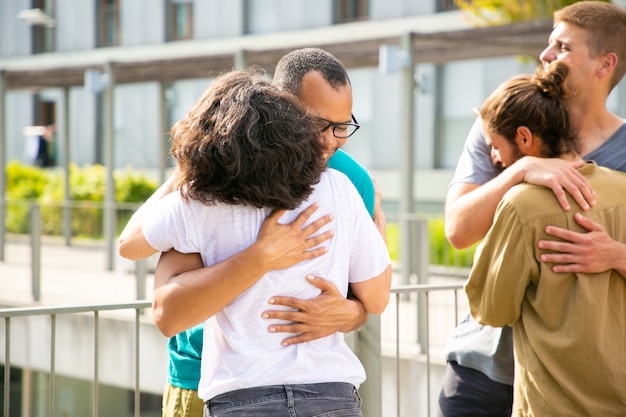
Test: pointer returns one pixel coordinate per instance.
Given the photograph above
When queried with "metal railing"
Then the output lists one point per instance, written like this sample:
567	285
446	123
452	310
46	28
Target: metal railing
410	313
419	347
407	304
8	313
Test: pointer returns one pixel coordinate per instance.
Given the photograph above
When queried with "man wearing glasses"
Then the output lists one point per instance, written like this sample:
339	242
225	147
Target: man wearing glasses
321	82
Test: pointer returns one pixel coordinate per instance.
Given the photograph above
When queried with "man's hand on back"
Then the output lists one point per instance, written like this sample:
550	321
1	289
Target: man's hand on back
318	317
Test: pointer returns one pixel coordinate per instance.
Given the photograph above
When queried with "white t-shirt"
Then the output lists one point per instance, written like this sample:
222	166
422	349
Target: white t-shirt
239	352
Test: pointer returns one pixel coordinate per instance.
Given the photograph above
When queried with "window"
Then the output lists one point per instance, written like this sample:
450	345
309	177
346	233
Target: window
43	28
108	22
350	10
179	19
445	5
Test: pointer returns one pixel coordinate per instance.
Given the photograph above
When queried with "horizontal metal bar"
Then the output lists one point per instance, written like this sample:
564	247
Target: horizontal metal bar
424	288
32	311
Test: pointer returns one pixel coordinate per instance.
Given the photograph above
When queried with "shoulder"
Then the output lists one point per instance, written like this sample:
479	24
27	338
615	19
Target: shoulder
526	199
345	163
358	176
336	178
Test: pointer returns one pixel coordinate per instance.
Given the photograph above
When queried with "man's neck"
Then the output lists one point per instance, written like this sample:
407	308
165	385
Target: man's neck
595	126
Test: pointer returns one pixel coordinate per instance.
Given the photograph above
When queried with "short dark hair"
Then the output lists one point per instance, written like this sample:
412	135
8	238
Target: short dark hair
537	102
247	142
292	67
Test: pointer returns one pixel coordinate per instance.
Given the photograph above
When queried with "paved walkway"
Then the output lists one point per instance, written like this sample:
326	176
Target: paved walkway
70	275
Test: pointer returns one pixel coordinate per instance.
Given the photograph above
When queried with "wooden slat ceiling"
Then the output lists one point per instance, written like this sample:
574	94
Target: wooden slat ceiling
526	38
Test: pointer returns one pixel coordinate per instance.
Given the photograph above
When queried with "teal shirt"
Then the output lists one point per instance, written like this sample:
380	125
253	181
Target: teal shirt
185	349
343	162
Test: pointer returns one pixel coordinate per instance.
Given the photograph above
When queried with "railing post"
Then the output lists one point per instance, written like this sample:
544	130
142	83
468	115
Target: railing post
141	271
35	242
96	362
407	201
137	362
7	365
421	262
53	354
109	163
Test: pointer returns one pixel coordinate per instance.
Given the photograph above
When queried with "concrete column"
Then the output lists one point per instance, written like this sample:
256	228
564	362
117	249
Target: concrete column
406	168
3	181
109	164
65	164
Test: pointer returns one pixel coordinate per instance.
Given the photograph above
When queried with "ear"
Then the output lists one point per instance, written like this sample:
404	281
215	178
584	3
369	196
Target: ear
608	62
524	139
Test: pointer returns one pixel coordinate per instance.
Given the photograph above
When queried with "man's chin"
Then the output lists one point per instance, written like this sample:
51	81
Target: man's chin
328	154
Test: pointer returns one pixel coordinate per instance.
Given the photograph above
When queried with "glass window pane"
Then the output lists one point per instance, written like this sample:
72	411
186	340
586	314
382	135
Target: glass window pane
350	10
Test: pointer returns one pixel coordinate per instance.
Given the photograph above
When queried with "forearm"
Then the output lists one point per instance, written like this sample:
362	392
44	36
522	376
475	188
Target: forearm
470	208
374	293
132	243
183	299
356	314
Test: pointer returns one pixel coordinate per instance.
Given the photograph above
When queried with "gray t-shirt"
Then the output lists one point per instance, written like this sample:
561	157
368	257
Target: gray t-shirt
484	348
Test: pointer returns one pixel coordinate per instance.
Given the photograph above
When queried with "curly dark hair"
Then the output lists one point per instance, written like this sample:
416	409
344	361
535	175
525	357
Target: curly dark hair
247	142
292	67
537	102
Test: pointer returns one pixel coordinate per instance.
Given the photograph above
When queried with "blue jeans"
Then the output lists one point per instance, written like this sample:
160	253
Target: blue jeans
470	393
305	400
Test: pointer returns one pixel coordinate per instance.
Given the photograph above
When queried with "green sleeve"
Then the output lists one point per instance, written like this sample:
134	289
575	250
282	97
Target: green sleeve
358	175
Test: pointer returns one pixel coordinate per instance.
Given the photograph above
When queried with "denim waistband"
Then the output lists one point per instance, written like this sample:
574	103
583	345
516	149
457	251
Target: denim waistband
338	390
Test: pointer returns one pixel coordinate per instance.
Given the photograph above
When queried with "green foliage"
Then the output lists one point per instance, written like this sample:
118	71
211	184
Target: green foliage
26	184
131	187
393	240
441	252
501	12
23	183
87	185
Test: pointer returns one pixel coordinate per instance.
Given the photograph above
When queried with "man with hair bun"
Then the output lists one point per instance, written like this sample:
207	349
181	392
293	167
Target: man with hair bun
589	37
568	328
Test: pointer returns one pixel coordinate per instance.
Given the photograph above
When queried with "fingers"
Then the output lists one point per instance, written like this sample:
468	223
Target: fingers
562	178
587	223
301	333
276	214
324	285
560	196
301	338
316	225
316	240
284	301
574	184
582	194
568	235
305	215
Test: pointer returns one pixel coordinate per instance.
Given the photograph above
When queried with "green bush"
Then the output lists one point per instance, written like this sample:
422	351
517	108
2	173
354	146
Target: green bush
23	183
87	184
441	252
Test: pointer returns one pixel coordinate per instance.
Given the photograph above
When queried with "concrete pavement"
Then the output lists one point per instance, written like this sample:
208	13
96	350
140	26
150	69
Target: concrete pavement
69	275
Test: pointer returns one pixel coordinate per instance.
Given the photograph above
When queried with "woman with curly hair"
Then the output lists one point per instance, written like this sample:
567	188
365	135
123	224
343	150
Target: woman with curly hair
247	151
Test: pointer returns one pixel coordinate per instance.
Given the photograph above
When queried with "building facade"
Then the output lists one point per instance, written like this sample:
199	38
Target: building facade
36	32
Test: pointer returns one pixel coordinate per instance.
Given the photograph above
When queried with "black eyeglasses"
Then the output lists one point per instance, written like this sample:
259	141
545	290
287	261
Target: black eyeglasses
340	130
